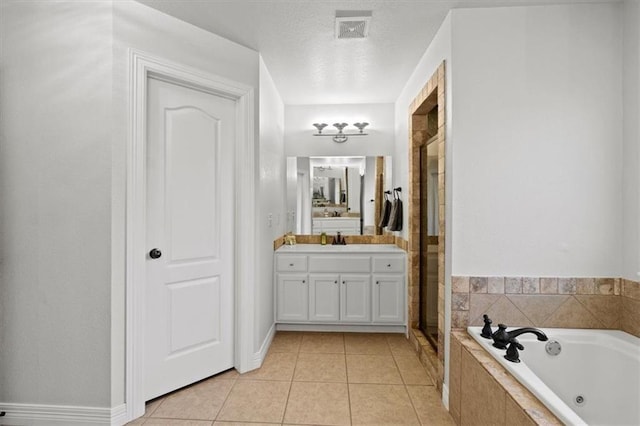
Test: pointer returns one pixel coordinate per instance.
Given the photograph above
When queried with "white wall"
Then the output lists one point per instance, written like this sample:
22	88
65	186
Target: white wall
631	140
272	199
64	99
438	51
55	183
300	142
537	141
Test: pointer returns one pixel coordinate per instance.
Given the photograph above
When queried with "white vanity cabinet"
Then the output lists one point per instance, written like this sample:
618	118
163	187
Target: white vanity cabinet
388	298
340	287
324	297
355	297
292	297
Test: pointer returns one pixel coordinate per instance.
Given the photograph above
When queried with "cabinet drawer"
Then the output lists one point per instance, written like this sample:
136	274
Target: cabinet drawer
339	264
291	263
388	264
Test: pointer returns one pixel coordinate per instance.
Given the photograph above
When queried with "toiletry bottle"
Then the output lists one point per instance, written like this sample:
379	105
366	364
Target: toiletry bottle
323	239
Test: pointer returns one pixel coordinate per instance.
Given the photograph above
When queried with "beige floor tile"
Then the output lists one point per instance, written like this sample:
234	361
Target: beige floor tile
175	422
231	374
332	343
151	406
286	341
256	401
369	344
318	404
276	366
400	345
372	369
428	405
137	421
381	405
412	371
243	424
320	368
201	401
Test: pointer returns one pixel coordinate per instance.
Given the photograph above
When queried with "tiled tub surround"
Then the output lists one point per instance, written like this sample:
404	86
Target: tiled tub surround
609	303
482	392
557	380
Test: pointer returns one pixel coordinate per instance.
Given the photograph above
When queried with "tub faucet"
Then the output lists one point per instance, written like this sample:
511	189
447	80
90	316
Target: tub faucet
501	338
486	330
512	351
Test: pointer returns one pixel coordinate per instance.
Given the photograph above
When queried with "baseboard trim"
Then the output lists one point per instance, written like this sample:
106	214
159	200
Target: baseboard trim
258	357
343	328
445	396
119	415
40	414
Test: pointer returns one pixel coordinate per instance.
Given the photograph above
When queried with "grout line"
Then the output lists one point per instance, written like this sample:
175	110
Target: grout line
397	367
415	410
595	317
500	295
226	398
286	403
295	367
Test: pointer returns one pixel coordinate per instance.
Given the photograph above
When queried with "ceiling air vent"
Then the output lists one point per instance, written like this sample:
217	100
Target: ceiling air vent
352	23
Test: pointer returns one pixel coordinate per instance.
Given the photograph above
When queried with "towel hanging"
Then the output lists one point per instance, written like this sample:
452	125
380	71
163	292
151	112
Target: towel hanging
386	210
395	218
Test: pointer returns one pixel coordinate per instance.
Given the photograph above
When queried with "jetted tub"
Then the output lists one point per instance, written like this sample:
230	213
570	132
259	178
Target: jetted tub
594	380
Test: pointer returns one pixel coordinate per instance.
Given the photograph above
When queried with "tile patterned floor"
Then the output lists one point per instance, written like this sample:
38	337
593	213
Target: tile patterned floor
313	379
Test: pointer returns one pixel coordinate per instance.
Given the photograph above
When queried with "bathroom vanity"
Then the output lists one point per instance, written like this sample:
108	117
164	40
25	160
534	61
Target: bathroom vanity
358	287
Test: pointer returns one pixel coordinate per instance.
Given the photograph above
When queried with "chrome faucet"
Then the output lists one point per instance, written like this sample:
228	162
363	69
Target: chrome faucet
501	337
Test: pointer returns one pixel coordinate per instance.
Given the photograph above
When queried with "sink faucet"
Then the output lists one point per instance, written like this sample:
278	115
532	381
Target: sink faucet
339	240
501	338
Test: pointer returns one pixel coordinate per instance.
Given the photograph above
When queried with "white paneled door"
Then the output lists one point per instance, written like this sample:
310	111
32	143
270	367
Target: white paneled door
189	215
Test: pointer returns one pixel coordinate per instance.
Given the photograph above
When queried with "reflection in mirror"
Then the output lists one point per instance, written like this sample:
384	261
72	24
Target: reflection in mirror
335	194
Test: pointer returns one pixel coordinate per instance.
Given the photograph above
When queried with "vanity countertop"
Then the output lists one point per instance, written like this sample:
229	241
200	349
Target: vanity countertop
349	248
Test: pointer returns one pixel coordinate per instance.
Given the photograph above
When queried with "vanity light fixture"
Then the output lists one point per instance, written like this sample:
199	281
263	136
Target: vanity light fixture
340	137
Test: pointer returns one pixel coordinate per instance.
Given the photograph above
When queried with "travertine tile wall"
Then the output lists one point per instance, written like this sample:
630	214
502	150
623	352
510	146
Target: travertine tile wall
610	303
421	129
630	312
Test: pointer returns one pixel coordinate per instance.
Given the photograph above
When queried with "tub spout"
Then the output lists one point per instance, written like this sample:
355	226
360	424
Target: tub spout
539	334
502	337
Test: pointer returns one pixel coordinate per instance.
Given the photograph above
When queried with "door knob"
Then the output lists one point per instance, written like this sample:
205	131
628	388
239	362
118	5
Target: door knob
155	253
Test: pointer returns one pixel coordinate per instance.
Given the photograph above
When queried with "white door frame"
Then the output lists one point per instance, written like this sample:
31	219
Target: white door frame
141	66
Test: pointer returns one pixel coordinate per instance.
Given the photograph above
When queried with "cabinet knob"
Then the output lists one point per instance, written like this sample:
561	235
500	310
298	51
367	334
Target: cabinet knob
388	265
344	282
291	264
303	281
335	282
378	282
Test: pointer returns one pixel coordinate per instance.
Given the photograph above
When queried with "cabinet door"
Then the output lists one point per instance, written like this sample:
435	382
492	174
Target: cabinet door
293	297
388	299
324	297
355	296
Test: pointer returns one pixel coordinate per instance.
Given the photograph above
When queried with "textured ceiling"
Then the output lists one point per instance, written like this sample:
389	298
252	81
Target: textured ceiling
308	65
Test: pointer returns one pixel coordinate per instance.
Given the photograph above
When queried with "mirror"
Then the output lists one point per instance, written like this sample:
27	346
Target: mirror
336	194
